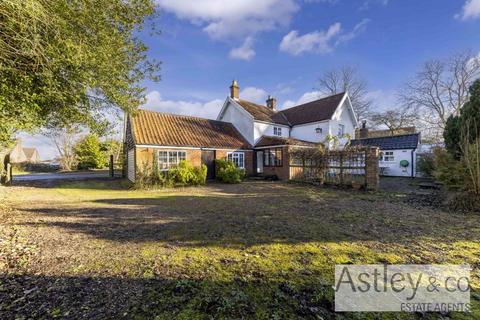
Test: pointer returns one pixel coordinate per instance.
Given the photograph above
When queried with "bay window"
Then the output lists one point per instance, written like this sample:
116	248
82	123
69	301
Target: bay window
273	157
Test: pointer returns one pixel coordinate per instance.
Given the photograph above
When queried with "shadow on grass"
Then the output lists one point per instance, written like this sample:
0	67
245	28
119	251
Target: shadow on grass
253	217
46	297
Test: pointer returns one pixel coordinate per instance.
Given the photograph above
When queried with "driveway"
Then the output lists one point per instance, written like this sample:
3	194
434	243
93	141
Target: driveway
62	176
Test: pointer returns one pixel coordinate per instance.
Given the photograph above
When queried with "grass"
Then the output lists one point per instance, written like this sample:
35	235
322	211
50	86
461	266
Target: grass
256	250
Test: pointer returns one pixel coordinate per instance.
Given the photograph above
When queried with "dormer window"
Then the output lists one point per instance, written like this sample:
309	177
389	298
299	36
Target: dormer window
277	131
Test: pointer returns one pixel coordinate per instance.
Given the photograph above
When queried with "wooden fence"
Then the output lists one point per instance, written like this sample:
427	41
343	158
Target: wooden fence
353	167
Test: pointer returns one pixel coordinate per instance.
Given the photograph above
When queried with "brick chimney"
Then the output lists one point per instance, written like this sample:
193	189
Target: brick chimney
363	130
272	103
234	90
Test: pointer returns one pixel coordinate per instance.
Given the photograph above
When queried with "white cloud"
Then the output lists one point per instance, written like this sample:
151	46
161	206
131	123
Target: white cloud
208	110
254	94
234	18
383	99
320	41
317	41
367	3
470	10
306	97
359	28
245	51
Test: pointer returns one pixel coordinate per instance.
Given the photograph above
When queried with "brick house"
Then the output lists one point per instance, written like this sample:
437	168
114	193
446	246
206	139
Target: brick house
256	137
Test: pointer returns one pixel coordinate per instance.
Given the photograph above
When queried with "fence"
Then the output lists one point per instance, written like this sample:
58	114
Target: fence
355	167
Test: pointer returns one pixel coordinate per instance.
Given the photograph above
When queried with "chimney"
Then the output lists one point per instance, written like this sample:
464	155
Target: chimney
272	103
364	130
234	90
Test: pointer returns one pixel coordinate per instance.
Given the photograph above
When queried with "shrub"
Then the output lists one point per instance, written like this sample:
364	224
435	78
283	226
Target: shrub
89	153
425	164
228	172
150	177
187	174
448	170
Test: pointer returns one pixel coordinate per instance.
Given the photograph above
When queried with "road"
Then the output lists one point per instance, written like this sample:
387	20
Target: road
62	176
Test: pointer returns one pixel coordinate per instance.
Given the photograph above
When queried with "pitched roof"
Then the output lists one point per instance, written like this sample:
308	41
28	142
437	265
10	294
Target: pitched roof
266	141
318	110
155	128
29	152
262	113
406	141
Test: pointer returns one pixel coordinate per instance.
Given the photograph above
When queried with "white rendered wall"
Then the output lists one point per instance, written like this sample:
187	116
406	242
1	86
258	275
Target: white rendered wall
393	168
240	120
266	129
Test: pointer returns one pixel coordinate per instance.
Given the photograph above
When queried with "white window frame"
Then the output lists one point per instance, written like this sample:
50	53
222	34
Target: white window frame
277	131
171	161
388	156
341	129
237	156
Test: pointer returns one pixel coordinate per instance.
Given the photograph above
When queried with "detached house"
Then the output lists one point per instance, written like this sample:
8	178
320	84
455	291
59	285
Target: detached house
256	137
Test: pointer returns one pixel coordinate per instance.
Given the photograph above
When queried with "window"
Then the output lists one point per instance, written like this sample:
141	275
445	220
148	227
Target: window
277	131
170	159
238	158
341	129
387	156
273	157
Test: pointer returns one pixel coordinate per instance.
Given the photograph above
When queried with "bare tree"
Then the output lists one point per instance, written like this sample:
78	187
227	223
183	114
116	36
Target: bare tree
394	119
64	140
440	88
346	78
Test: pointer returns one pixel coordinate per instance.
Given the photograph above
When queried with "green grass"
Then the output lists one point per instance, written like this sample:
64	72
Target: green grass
254	250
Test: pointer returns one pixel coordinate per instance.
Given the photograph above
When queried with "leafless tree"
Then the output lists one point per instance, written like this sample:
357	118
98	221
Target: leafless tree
394	119
347	78
64	140
440	88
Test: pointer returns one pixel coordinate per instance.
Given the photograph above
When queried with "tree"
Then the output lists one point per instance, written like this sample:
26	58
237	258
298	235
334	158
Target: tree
440	88
64	62
347	79
112	147
89	153
64	140
394	119
465	125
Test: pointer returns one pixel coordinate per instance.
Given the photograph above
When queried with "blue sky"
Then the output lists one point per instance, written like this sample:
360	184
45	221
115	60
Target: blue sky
280	47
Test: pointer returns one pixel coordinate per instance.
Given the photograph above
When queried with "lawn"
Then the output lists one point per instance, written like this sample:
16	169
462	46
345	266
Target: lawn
259	250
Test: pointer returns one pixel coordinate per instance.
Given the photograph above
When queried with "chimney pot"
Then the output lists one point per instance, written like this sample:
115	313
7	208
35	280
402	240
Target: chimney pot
272	103
235	90
363	132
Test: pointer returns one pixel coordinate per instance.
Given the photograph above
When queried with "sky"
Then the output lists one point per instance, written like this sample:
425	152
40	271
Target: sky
281	47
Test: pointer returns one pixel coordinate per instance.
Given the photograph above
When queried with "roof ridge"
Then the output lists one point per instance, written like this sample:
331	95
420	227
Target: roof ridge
330	96
181	115
393	136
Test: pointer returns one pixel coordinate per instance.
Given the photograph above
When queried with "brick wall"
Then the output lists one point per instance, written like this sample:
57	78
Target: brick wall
249	166
283	172
372	178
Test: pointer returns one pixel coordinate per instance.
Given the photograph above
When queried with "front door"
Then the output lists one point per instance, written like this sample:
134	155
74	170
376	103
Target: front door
259	161
208	159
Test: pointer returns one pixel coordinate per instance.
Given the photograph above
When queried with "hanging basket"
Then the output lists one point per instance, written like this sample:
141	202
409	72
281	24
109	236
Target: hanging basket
404	163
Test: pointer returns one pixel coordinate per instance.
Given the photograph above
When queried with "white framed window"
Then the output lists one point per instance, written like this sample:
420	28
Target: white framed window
387	156
277	131
238	158
341	129
170	158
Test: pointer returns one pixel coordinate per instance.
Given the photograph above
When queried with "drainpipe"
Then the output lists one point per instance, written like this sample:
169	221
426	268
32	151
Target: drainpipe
413	173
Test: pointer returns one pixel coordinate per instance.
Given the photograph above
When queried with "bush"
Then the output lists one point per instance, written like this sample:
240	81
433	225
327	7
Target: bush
426	164
186	174
89	153
150	177
228	172
448	170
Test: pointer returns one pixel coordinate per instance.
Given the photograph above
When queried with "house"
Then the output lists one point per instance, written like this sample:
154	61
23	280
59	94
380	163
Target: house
20	154
398	152
256	137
